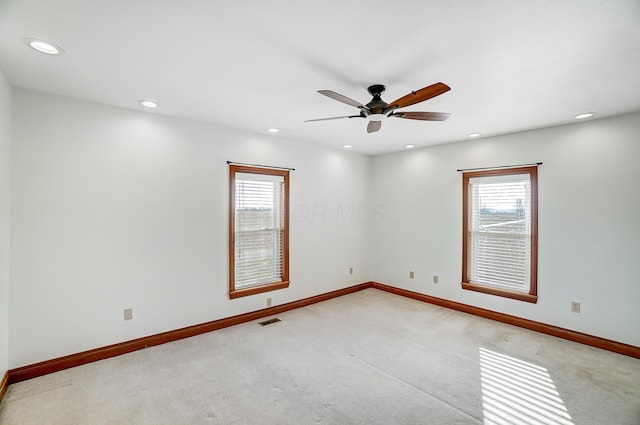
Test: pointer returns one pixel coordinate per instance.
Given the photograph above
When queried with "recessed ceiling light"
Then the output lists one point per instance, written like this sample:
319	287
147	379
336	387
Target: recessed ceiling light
44	46
273	130
347	146
585	115
409	146
149	103
474	135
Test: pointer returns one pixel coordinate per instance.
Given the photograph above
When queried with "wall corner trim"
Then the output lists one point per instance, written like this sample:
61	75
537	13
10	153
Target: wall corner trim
4	383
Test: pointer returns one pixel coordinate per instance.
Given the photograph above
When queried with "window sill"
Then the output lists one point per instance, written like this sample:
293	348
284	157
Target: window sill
500	292
238	293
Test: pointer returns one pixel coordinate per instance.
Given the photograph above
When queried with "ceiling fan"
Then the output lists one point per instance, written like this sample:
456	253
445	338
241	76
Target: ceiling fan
377	109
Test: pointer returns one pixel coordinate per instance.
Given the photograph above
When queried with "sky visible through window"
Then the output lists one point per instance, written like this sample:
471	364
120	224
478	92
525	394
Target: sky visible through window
254	194
502	196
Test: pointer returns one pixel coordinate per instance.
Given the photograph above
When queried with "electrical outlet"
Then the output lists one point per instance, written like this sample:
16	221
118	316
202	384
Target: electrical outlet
350	270
435	279
575	307
269	302
411	275
128	314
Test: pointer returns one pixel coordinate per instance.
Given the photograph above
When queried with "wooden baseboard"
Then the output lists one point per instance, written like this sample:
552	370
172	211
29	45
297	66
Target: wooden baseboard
66	362
4	382
594	341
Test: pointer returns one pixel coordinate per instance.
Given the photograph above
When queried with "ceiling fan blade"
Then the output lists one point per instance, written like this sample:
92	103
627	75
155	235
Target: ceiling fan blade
419	96
373	126
424	116
334	118
341	98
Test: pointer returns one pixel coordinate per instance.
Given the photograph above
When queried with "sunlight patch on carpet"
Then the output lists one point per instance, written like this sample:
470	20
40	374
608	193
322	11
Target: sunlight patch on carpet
519	392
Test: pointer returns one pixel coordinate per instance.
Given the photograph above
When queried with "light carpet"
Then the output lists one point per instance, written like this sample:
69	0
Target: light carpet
366	358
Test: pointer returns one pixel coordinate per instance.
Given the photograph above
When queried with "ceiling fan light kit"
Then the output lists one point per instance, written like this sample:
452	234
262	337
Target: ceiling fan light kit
378	110
376	117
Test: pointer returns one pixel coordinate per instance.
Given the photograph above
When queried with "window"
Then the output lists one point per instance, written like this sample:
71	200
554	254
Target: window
258	230
500	232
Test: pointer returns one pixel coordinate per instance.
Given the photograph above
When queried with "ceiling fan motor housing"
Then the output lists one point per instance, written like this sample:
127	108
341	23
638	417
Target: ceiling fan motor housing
376	89
377	105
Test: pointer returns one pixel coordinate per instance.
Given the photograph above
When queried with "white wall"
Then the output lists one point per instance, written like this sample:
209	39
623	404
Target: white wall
589	228
5	195
114	208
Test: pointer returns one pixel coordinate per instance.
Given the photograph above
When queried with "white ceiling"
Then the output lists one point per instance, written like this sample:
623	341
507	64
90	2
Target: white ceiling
511	64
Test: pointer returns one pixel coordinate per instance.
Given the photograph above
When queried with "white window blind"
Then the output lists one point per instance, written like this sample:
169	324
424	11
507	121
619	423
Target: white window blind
500	231
259	227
